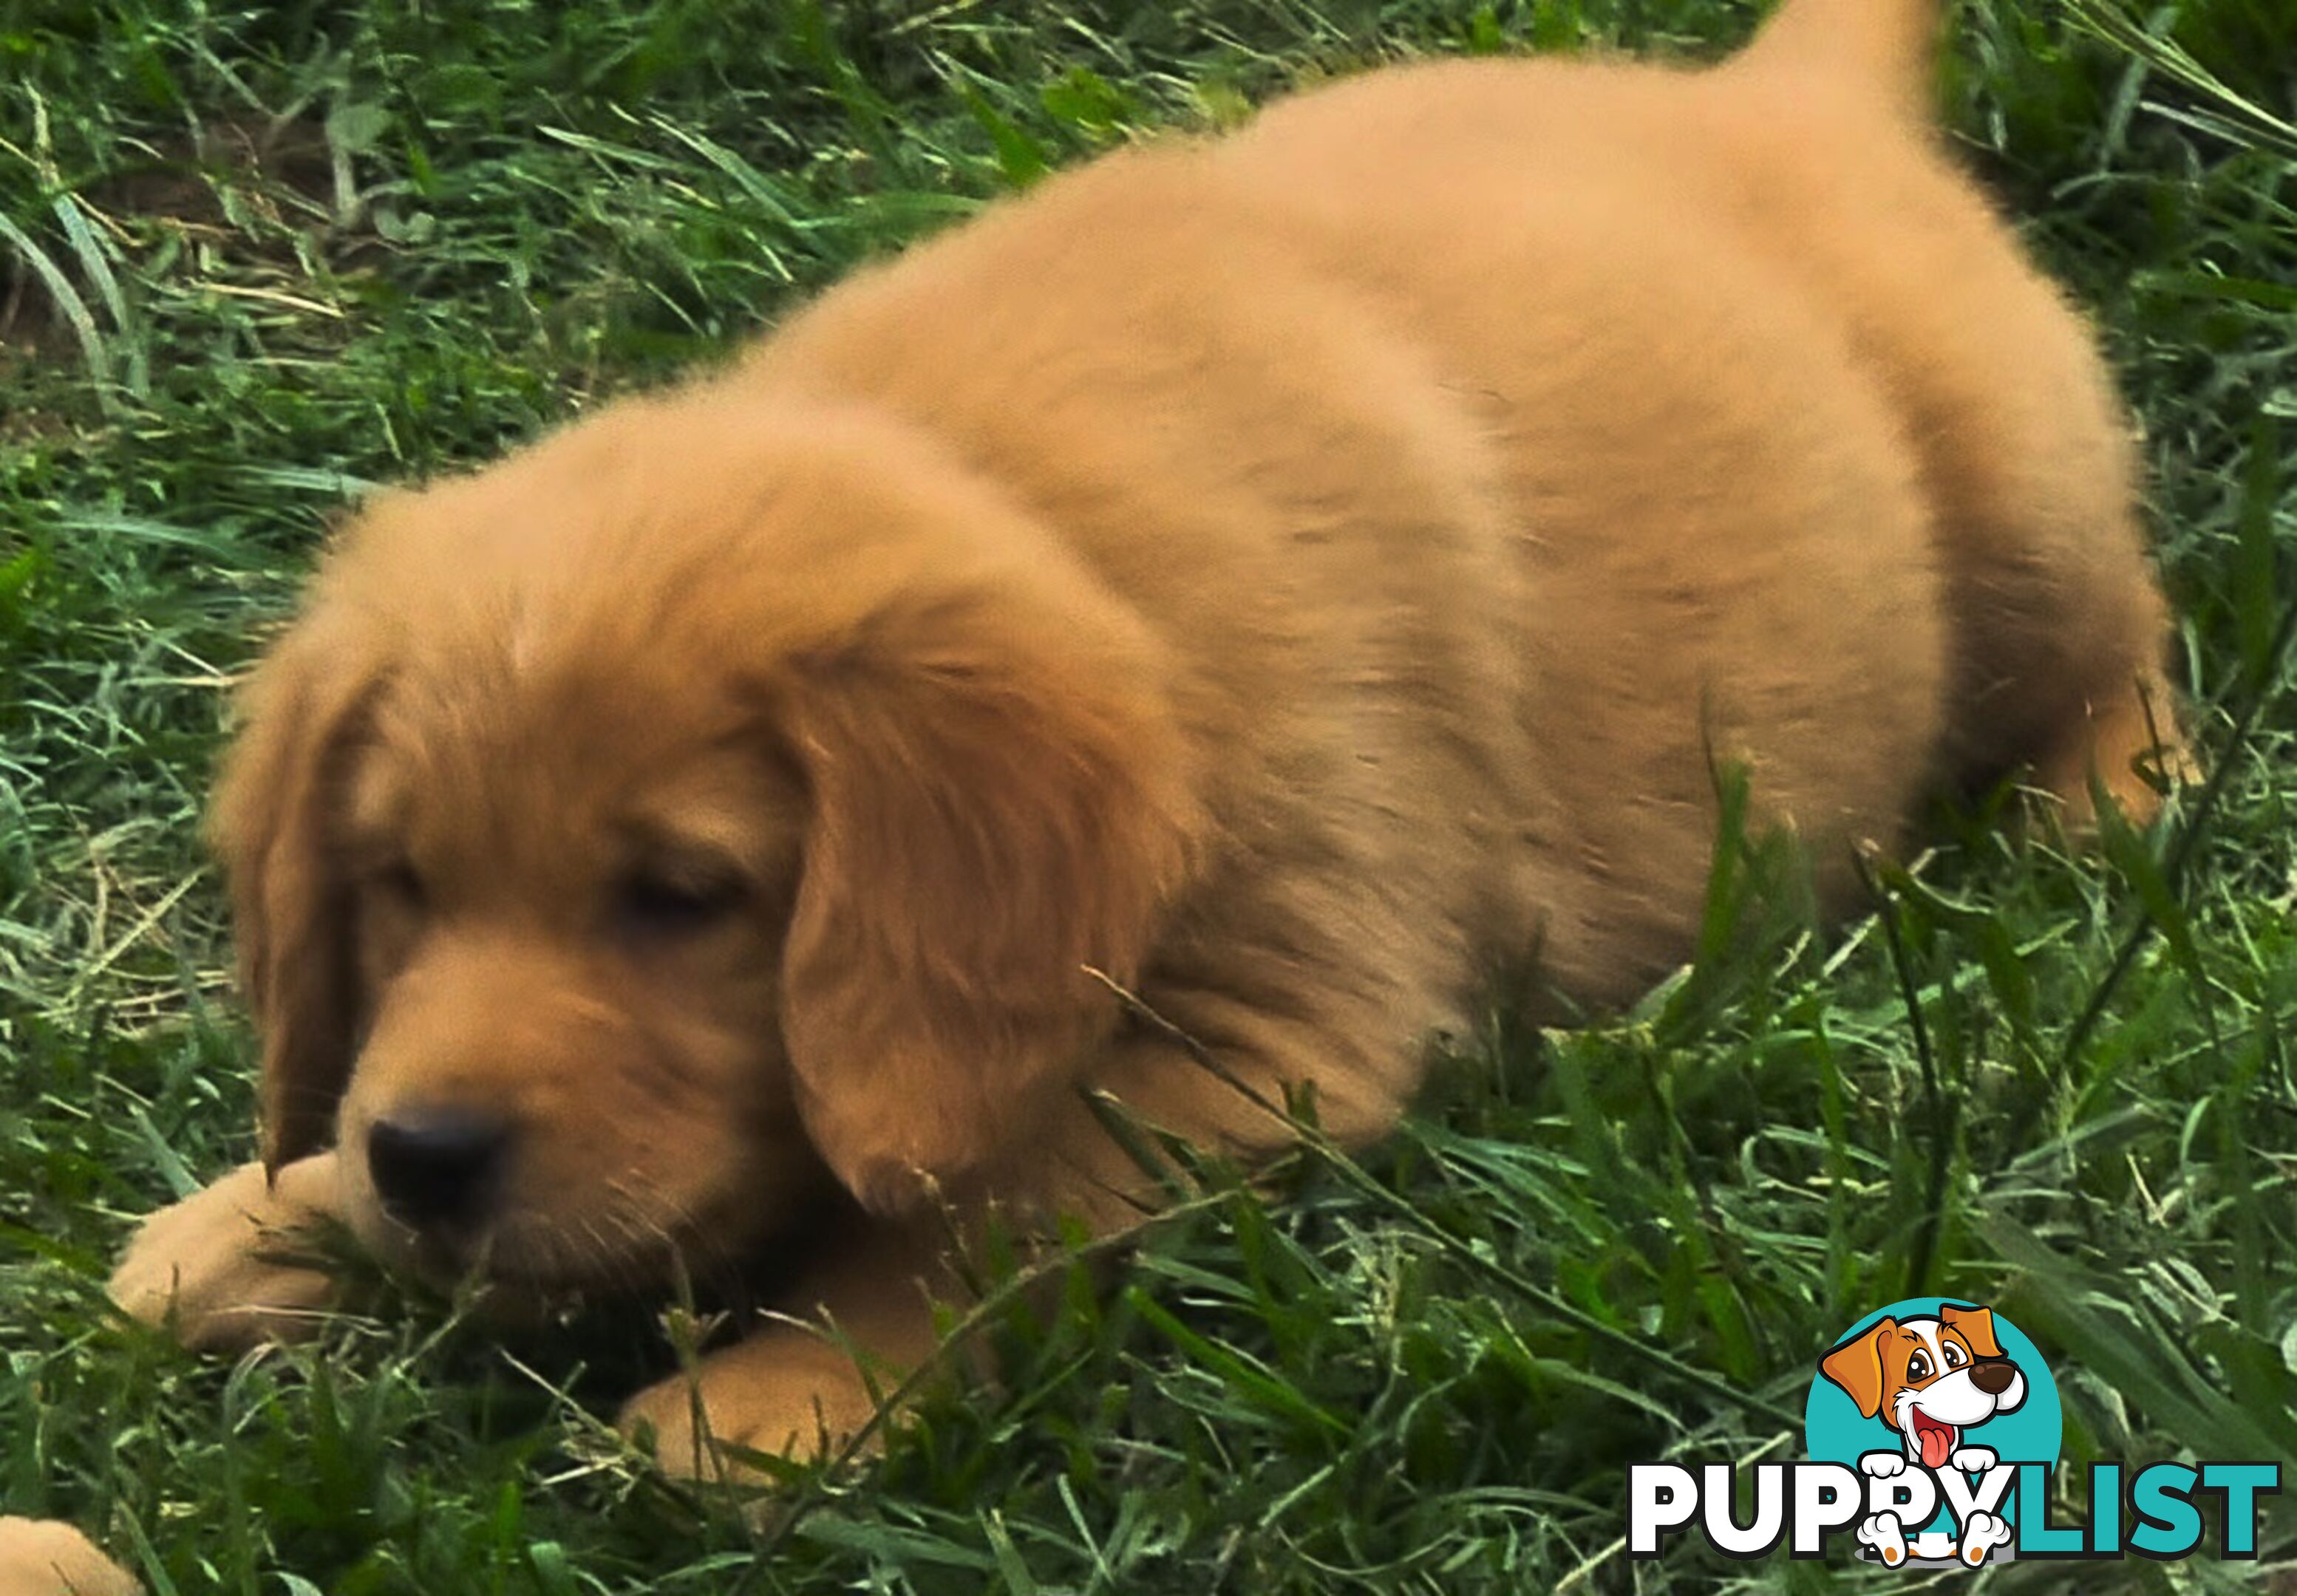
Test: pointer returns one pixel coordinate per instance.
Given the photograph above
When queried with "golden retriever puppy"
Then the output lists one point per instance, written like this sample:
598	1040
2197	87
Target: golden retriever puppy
1287	575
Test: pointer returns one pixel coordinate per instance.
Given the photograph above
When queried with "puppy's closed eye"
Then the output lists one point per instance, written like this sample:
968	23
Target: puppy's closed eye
395	881
395	905
672	901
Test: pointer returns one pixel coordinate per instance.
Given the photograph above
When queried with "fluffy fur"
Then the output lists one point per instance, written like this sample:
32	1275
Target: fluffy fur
1291	575
42	1557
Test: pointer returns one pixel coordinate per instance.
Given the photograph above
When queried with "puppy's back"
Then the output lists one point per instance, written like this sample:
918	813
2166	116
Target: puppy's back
1585	423
1813	153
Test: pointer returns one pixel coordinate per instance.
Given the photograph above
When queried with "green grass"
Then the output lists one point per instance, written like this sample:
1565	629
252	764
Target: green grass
256	253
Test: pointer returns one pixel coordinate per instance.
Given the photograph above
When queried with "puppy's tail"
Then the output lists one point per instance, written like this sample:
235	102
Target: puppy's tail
1890	44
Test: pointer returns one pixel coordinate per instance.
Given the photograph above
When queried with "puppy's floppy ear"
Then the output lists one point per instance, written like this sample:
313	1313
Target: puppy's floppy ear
1856	1366
1000	800
290	904
1976	1326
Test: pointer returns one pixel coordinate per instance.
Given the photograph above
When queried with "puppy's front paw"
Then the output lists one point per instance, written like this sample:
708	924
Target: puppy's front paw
783	1393
1882	1465
41	1558
228	1262
1973	1460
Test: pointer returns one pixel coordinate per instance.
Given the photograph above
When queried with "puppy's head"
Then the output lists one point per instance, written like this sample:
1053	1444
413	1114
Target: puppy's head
700	806
1929	1377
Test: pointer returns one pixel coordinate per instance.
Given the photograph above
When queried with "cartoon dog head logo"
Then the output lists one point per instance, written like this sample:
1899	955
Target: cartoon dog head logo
1936	1403
1930	1378
1933	1431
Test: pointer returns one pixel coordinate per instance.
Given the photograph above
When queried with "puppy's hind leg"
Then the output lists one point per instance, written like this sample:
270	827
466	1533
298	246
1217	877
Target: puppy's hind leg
2063	631
2027	458
2130	742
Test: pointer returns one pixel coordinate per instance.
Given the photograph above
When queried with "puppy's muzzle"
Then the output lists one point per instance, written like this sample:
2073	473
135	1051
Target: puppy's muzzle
1993	1376
440	1172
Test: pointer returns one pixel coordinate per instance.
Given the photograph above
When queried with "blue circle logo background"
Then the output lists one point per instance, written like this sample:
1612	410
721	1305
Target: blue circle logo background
1834	1431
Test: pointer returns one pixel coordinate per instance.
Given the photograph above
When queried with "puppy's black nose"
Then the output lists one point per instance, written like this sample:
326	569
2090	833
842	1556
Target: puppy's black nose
1993	1375
438	1170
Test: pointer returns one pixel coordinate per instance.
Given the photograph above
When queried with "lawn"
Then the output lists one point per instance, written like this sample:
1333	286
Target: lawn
255	254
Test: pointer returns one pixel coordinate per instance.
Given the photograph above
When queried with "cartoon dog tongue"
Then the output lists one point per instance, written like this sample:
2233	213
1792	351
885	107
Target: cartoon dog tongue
1935	1439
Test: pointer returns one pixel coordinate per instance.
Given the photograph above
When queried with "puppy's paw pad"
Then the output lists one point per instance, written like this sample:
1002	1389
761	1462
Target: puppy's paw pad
1980	1535
1887	1536
42	1557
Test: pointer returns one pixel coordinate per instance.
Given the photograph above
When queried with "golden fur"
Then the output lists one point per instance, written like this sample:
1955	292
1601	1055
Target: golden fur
42	1557
1291	575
